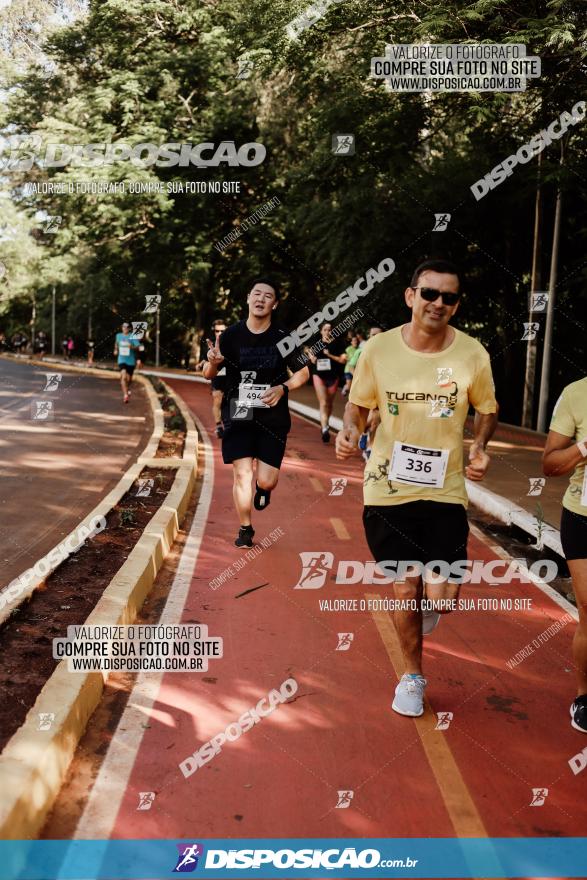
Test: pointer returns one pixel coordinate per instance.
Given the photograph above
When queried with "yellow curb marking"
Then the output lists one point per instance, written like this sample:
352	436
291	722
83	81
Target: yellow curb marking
458	801
340	529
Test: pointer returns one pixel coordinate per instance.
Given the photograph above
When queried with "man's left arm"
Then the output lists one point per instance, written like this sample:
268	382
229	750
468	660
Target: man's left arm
482	397
484	427
296	380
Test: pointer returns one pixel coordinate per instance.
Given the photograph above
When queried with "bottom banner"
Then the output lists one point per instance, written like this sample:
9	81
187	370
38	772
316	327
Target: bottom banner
276	858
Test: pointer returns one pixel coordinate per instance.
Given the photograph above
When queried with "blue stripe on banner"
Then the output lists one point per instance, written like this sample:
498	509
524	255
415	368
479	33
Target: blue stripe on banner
306	858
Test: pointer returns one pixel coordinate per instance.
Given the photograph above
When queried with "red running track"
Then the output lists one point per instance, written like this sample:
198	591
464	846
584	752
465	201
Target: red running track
509	734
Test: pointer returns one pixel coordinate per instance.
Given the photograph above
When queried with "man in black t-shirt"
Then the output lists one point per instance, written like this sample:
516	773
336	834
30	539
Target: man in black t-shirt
255	412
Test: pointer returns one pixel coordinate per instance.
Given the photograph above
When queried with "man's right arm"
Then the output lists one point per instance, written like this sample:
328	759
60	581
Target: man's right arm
353	425
210	370
215	360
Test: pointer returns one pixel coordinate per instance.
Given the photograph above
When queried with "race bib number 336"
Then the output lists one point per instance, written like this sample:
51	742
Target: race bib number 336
418	465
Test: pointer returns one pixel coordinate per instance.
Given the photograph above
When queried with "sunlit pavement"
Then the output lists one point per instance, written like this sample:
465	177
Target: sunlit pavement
54	470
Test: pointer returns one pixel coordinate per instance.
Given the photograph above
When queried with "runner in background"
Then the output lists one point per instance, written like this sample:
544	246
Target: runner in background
41	344
566	453
218	383
90	346
125	347
326	369
422	376
351	349
255	410
373	419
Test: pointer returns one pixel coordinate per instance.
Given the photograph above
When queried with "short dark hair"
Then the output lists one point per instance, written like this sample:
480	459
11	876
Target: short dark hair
266	279
445	267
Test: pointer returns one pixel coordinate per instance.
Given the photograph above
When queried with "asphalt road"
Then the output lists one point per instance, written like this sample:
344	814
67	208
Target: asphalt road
55	470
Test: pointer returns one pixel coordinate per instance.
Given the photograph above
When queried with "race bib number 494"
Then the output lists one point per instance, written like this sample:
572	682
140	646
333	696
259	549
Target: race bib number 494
418	465
250	395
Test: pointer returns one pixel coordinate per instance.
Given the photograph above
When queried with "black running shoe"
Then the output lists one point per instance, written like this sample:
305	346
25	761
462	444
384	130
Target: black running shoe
325	435
245	536
262	498
579	713
219	430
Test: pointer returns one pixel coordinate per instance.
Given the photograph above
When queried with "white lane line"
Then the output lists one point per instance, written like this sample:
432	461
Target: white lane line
164	375
99	816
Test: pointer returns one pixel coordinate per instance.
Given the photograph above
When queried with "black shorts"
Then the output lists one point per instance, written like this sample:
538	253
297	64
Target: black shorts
574	534
218	383
253	440
129	368
420	531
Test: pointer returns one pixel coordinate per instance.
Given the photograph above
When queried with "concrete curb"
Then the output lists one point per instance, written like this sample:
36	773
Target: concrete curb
33	763
190	449
509	513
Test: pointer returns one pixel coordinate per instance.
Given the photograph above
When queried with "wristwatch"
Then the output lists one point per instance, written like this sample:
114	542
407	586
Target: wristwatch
582	444
286	390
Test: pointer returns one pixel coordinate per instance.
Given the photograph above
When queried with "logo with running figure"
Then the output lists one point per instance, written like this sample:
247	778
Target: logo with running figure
315	567
52	381
146	799
344	641
240	410
343	144
539	795
443	376
444	719
441	222
187	860
344	799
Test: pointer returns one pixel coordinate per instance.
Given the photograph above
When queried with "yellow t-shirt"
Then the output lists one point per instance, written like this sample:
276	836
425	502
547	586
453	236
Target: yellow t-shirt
423	400
569	417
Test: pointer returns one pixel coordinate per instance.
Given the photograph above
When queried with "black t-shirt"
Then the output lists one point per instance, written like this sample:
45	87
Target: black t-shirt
335	369
254	359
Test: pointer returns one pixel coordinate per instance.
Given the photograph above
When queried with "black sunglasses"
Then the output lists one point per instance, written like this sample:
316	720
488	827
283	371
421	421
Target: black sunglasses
430	295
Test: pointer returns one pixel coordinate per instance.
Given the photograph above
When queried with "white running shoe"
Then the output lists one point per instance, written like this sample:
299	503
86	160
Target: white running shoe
409	696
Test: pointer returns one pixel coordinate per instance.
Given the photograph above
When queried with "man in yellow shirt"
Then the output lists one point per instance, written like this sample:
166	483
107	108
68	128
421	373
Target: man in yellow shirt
422	376
566	453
